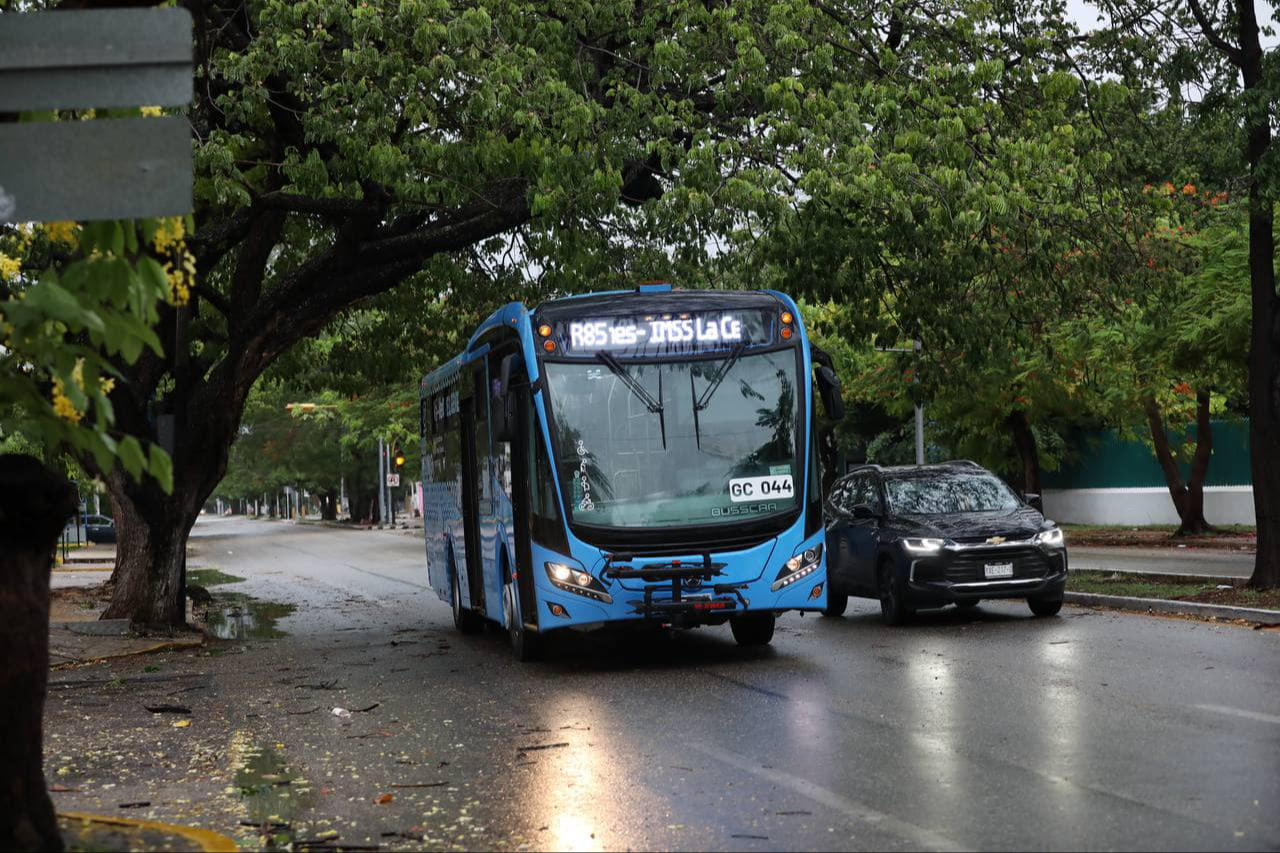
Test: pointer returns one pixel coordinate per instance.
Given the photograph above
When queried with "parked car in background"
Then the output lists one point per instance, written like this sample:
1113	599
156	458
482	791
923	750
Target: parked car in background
99	528
923	536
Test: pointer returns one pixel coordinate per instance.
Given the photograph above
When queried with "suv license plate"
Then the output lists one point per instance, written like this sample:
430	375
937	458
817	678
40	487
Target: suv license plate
999	570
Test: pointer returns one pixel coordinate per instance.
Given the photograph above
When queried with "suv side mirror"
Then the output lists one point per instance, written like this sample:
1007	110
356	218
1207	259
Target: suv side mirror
864	511
829	389
1034	501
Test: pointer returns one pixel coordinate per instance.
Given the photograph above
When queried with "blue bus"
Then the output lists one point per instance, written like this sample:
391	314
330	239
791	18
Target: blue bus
646	457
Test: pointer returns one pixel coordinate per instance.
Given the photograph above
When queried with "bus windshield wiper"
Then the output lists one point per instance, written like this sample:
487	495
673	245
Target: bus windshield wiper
705	399
642	395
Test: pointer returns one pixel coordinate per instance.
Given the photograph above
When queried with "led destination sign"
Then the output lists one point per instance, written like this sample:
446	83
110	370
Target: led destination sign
667	333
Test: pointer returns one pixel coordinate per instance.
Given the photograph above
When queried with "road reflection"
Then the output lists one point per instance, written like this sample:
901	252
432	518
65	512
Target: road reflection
567	791
930	681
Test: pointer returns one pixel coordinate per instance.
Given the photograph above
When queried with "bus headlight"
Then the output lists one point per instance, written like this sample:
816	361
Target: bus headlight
570	579
799	566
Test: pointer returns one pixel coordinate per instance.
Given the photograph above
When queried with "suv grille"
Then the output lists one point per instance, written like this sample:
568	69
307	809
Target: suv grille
968	566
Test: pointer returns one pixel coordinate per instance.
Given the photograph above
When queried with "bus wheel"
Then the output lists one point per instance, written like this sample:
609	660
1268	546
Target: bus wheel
753	629
466	621
525	645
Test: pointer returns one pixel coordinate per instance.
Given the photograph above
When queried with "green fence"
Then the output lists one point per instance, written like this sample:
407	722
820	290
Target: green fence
1106	461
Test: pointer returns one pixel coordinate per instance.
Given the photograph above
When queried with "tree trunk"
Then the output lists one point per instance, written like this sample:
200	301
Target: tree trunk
1188	497
1025	440
152	528
35	504
1264	342
1264	338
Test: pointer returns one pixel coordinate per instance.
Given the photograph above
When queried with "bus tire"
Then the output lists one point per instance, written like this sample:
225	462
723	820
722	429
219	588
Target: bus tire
465	620
753	629
526	646
836	604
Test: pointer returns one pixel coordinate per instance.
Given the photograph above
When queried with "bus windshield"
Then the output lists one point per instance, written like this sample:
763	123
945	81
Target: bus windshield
677	443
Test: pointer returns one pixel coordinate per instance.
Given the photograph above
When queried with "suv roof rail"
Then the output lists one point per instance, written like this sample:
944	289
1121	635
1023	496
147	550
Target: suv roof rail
859	466
968	462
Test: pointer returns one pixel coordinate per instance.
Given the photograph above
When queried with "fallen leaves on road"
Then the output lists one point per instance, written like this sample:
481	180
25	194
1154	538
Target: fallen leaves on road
384	799
181	724
542	746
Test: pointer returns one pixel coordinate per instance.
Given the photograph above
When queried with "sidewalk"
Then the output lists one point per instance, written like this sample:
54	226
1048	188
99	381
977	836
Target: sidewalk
1200	562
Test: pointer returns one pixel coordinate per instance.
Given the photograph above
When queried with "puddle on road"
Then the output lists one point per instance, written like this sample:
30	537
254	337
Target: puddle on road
272	794
211	577
236	616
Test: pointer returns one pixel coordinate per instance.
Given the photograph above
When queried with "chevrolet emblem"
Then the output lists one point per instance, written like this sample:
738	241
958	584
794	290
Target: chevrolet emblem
995	540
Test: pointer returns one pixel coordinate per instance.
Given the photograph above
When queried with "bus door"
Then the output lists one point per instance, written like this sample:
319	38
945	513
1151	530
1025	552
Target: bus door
474	457
513	423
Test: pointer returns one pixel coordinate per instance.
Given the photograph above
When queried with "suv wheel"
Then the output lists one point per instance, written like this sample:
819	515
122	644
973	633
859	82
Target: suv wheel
894	609
753	629
836	604
1045	606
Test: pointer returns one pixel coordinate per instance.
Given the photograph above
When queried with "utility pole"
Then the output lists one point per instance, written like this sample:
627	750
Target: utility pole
915	377
916	346
382	483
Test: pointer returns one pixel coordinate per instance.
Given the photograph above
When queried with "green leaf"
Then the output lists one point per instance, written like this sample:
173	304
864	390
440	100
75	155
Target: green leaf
131	456
161	467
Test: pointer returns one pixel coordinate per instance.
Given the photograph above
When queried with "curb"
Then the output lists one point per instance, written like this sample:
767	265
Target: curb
1182	608
204	839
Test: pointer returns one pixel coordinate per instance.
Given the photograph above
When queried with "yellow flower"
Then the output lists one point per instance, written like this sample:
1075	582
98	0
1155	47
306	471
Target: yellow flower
179	280
151	112
77	373
9	267
62	405
61	232
170	233
106	386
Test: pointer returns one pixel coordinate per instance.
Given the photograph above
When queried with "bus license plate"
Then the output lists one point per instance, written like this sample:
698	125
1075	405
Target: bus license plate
999	570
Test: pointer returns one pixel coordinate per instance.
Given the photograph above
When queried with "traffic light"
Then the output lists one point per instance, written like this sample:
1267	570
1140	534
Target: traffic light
399	459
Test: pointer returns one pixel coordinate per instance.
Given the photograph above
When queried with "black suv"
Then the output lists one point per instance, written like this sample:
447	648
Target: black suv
931	535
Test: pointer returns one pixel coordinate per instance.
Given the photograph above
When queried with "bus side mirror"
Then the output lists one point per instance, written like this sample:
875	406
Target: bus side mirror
829	388
504	422
510	364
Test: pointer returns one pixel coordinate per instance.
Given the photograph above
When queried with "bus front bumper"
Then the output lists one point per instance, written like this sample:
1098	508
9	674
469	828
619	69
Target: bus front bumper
692	606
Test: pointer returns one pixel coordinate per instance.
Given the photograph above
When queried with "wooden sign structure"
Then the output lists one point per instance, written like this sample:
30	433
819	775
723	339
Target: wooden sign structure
102	168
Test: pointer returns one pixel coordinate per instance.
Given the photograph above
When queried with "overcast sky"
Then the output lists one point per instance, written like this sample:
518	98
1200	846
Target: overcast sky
1085	15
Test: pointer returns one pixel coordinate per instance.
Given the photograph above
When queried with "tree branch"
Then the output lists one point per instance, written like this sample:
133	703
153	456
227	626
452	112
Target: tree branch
1231	51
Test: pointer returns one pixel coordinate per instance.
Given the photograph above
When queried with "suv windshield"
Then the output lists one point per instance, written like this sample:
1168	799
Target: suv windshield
947	493
719	445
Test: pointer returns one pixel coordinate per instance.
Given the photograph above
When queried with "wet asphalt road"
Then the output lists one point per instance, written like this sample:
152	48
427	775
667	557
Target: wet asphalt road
985	730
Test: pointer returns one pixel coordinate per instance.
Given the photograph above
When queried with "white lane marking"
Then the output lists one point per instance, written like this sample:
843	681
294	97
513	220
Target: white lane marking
917	835
1237	712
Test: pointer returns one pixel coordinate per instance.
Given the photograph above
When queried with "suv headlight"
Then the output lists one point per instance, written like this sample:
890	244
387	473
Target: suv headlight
923	546
575	580
1051	538
800	565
